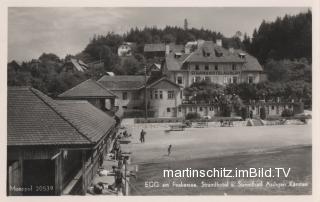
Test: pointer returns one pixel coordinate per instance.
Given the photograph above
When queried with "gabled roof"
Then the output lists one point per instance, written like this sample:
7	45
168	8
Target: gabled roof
162	79
175	64
252	63
122	82
213	49
89	120
155	66
154	47
88	89
79	65
217	54
36	119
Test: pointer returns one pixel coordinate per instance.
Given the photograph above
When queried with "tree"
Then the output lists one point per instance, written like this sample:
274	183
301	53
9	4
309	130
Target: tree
286	38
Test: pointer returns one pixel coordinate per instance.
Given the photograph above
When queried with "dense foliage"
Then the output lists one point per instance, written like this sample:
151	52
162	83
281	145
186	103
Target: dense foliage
289	37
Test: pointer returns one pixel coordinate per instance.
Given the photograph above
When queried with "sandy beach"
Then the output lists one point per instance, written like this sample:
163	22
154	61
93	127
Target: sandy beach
287	146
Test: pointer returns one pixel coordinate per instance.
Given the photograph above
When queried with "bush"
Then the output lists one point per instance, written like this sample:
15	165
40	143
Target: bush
263	113
244	113
192	115
287	113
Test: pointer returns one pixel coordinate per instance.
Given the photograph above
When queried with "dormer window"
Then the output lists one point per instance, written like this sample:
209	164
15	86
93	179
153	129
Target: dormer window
206	67
215	67
177	55
242	55
197	67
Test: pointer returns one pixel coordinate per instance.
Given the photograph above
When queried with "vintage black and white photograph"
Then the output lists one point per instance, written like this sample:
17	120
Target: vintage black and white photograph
159	101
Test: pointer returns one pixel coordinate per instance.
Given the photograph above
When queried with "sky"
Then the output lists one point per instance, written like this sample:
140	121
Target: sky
62	31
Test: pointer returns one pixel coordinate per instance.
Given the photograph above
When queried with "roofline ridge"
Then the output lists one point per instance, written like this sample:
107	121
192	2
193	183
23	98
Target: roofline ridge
33	90
109	91
73	87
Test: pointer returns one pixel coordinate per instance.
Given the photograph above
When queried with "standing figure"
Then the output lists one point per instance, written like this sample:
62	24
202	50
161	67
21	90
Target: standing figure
169	150
142	136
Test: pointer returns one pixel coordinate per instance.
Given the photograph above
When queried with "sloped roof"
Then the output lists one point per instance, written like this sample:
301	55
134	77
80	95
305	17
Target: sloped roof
154	47
123	82
79	65
210	47
36	119
87	89
162	79
88	119
175	64
250	62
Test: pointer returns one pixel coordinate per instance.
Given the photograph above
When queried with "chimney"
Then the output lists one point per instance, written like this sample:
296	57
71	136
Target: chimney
167	49
219	42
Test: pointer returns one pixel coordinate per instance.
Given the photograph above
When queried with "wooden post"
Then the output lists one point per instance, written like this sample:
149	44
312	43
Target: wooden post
83	172
21	169
58	175
125	176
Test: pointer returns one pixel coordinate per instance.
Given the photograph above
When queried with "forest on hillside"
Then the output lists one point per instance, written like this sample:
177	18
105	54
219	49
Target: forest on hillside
283	47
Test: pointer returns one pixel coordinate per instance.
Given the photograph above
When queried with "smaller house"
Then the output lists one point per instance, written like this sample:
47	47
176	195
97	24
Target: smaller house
155	67
93	92
126	88
75	65
156	50
126	49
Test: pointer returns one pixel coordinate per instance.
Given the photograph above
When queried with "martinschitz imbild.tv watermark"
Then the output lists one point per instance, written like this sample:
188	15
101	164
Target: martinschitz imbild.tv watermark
227	173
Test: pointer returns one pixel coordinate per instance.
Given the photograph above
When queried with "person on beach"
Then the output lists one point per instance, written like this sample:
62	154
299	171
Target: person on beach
169	150
142	136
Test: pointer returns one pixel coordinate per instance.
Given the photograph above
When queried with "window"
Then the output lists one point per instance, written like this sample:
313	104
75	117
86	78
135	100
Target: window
200	108
207	78
198	78
229	80
197	67
155	94
234	67
252	107
150	94
179	108
181	94
234	79
170	94
190	109
124	107
250	79
208	54
206	67
216	67
211	108
168	109
179	79
124	95
160	95
272	107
